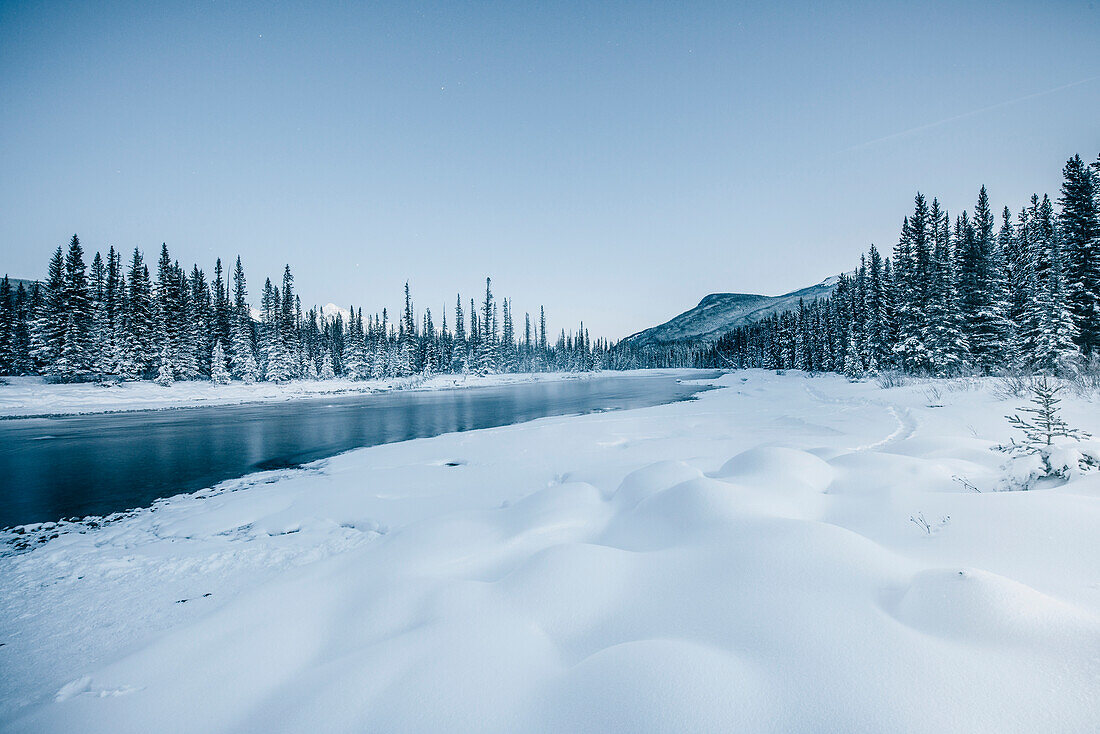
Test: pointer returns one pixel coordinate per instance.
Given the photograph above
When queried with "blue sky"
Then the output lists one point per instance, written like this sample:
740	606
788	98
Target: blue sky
615	162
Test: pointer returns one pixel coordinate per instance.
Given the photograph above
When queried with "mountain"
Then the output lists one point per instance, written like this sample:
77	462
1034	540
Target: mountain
717	313
331	311
27	284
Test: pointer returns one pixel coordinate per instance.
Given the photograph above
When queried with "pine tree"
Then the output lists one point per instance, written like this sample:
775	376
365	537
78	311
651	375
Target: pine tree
878	326
140	348
1079	226
853	368
543	351
488	354
327	371
946	331
459	351
1055	351
407	338
109	327
288	321
276	361
99	331
913	277
983	306
1018	280
7	328
165	322
73	359
243	361
219	371
22	361
428	347
1047	425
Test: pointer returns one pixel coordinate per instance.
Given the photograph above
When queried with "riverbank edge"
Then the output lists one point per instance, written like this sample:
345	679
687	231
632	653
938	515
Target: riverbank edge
205	394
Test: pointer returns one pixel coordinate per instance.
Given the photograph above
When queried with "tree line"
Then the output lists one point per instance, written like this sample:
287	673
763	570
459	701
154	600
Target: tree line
118	321
963	296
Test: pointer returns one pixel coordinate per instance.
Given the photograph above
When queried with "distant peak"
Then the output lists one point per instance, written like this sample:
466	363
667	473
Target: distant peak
331	310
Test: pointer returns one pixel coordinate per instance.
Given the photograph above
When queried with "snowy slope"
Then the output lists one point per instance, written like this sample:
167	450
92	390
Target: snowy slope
743	562
717	313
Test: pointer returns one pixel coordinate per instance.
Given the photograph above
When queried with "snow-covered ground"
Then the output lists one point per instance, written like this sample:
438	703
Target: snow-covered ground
743	562
32	396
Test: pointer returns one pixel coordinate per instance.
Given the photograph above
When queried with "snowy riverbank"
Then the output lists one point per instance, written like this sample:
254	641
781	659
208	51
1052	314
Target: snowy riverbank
32	396
742	562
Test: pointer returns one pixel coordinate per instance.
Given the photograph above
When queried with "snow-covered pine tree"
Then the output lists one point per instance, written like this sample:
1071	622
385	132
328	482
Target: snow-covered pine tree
459	351
22	361
166	373
74	359
111	359
428	348
242	358
289	317
853	368
446	343
1055	351
140	351
355	363
169	318
327	371
99	332
1079	227
219	370
203	332
309	366
878	327
913	274
1047	424
7	327
507	339
1017	278
407	338
982	299
473	344
543	350
488	354
188	351
222	313
276	362
946	336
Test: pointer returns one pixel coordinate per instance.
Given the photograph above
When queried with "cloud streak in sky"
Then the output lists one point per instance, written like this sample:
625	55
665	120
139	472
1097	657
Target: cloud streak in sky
964	115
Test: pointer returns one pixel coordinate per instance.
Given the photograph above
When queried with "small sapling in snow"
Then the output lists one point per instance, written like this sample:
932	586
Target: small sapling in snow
1050	447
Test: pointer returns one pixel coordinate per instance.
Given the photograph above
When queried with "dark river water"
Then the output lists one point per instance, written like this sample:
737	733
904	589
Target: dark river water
53	468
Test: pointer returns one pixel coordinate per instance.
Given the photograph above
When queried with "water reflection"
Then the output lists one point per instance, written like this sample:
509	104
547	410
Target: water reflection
95	465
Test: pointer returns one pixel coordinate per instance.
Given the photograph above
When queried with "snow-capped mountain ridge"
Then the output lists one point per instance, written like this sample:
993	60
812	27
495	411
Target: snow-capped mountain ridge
718	313
331	311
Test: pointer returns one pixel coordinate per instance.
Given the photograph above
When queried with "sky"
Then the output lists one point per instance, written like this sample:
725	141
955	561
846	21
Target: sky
614	162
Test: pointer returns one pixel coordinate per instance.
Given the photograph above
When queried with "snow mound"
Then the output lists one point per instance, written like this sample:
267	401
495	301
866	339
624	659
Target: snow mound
651	479
780	467
979	606
680	514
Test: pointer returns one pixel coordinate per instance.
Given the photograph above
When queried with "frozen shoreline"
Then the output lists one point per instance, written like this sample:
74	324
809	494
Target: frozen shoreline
744	561
32	397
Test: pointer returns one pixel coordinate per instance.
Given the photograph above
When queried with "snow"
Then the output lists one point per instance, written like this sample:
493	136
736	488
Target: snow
741	562
719	313
33	396
331	311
